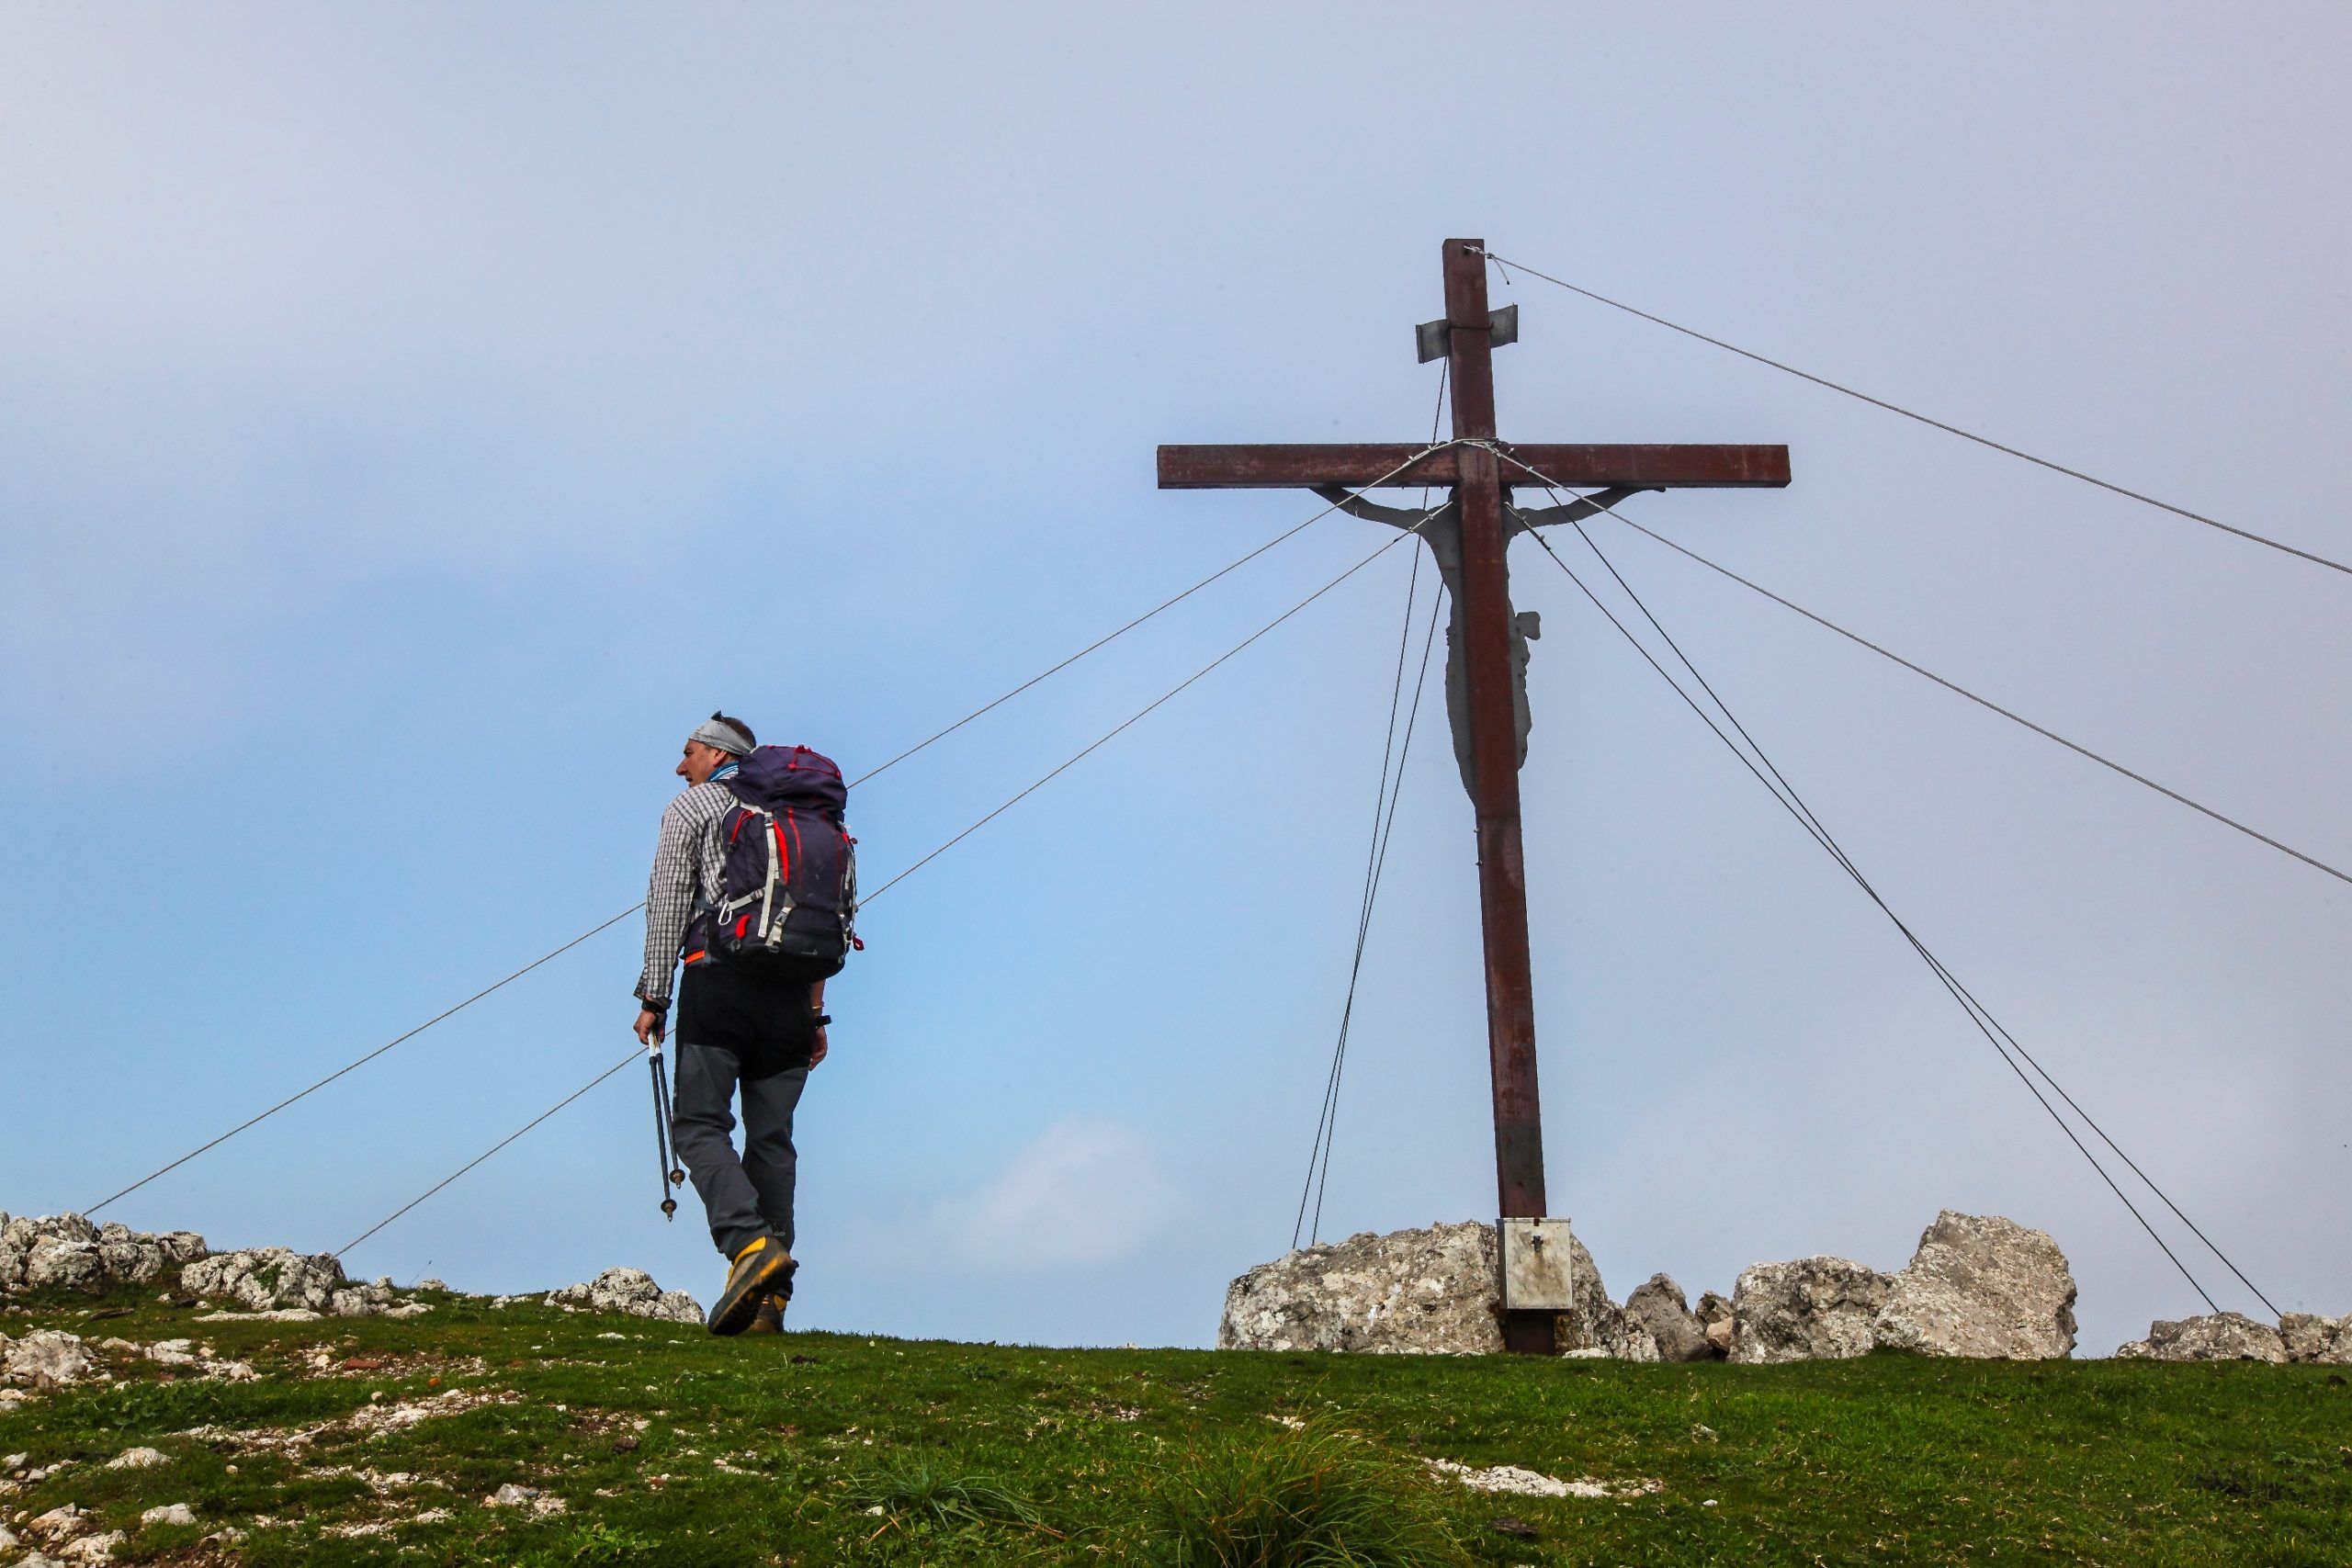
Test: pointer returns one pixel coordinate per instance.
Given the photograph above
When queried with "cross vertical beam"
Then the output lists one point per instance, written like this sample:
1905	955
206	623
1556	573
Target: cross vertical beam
1494	749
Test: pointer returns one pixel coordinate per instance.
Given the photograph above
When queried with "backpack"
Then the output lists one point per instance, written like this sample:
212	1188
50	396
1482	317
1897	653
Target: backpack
787	884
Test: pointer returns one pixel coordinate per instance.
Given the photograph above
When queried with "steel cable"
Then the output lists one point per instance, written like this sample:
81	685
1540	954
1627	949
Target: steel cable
1384	826
1108	736
2317	559
1384	822
493	1148
362	1061
1796	810
2256	834
487	990
1977	1012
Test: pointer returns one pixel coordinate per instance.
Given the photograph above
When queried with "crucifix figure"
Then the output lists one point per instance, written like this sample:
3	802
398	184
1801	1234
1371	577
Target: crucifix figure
1486	666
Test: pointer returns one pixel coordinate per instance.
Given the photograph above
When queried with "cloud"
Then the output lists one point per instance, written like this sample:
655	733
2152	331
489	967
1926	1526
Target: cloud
1085	1191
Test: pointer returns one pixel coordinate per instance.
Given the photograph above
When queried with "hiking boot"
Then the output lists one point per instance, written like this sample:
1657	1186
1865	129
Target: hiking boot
759	1270
770	1318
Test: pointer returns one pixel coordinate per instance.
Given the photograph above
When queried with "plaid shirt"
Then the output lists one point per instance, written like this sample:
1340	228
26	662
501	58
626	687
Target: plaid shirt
686	860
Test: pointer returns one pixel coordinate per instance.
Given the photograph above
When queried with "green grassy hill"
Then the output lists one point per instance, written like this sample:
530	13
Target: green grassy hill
372	1440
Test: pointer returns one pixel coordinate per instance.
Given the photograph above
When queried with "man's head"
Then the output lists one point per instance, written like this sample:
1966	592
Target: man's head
716	742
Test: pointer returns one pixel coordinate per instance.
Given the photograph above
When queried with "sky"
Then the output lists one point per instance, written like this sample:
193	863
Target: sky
417	416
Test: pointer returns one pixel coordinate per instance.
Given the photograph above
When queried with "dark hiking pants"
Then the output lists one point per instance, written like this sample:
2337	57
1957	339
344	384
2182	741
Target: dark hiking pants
751	1034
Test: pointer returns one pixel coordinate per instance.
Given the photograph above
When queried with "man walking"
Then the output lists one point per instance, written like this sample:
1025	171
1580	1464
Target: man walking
748	1020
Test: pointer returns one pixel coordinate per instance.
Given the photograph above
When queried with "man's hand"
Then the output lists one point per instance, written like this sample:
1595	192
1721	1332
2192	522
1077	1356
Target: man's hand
649	1026
817	1052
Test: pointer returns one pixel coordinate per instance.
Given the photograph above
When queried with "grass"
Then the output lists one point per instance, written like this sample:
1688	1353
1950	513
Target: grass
665	1445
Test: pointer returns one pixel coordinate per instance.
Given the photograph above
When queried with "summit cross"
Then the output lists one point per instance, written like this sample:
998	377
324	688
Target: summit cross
1486	662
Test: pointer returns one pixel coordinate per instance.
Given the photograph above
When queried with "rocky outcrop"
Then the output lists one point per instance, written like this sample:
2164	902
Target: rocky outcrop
630	1291
66	1252
1660	1306
1978	1286
1433	1291
280	1279
1981	1286
2217	1336
260	1278
1812	1309
2311	1338
1430	1291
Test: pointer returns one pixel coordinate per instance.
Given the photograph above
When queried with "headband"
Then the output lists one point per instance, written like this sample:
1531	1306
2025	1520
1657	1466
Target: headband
721	736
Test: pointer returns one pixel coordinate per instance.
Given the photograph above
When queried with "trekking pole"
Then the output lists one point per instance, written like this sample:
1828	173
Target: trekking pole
671	1175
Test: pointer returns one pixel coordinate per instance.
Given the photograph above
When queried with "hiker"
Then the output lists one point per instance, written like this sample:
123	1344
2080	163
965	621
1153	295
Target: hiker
753	888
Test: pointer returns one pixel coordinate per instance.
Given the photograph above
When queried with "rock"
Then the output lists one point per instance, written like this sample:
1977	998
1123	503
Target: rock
1981	1286
441	1285
62	1263
1719	1335
59	1524
47	1358
134	1260
1433	1291
169	1514
180	1246
138	1459
264	1278
1430	1291
1659	1307
67	1252
630	1291
511	1496
93	1549
1713	1314
2217	1336
2310	1338
1596	1325
1814	1308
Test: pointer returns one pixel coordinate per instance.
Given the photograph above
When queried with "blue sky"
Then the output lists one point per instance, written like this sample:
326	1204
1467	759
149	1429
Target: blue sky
415	414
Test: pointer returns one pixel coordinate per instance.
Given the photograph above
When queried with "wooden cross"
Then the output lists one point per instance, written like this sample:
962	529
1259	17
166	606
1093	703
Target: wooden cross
1486	650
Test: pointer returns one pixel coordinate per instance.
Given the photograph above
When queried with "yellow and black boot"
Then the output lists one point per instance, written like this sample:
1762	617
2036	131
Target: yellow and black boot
770	1318
760	1270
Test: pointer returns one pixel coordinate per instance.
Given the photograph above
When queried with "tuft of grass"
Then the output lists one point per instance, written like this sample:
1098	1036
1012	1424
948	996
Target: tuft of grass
1310	1499
918	1492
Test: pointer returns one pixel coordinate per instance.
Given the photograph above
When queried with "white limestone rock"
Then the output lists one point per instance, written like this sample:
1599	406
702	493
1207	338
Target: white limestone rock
1431	1291
1812	1309
263	1279
2215	1337
629	1291
2311	1338
93	1551
67	1252
62	1263
1660	1307
47	1357
1981	1286
138	1459
169	1514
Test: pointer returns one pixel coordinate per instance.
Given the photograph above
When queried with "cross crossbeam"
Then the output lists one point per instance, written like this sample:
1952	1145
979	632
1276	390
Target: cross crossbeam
1359	465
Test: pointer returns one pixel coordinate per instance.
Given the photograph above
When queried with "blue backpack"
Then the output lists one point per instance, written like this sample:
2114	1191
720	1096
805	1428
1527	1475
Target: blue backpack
787	886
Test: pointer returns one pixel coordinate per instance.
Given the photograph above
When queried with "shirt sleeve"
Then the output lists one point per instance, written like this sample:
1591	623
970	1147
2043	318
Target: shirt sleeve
669	903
